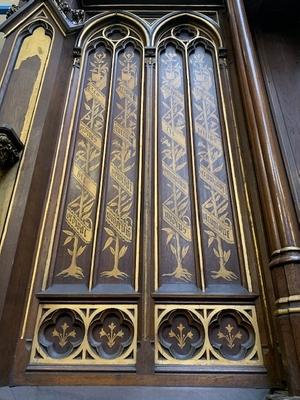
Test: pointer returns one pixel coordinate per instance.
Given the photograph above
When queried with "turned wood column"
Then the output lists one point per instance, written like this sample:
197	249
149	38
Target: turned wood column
277	205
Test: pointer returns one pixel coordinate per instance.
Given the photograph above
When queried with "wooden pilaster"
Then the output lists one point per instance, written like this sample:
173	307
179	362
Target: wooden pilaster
278	208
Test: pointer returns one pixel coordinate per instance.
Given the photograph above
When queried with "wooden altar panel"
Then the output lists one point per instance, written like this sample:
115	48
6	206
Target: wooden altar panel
101	310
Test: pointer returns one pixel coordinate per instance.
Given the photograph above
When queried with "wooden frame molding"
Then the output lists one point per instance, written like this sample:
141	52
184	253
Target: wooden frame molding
278	209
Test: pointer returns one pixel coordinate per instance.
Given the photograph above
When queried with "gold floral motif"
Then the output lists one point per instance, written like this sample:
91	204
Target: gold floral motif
118	218
111	335
215	209
229	336
86	162
181	337
63	335
175	207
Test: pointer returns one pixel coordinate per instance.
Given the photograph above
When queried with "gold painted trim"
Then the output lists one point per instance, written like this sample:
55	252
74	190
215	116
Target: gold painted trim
194	174
286	311
285	250
205	314
283	300
141	162
156	224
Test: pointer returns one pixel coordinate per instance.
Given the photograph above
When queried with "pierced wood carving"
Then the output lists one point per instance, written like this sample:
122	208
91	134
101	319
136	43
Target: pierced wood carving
197	335
85	334
61	333
231	335
111	333
181	334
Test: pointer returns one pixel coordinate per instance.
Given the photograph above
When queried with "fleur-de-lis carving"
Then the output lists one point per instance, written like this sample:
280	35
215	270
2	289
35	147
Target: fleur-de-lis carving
111	335
63	335
181	337
229	336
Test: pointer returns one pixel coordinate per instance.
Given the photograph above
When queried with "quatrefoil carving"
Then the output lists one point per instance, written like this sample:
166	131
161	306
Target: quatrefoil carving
111	333
61	333
231	334
181	334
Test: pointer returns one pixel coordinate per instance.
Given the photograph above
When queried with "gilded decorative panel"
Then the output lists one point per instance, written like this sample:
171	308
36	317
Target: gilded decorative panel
196	245
118	224
98	240
75	241
204	335
175	231
219	244
85	334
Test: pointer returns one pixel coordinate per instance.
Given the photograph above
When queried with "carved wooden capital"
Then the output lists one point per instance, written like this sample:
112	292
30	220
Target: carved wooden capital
10	147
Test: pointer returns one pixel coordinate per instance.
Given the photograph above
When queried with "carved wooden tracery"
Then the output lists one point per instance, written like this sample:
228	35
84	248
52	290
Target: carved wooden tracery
94	262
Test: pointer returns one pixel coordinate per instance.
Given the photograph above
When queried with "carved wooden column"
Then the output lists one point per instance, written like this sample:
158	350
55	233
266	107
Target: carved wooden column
278	208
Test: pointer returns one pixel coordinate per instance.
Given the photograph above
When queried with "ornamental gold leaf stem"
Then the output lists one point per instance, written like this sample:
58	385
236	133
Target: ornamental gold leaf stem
229	336
63	335
111	335
181	337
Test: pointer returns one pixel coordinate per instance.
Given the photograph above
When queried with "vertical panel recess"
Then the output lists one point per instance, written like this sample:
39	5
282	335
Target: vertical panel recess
72	265
116	262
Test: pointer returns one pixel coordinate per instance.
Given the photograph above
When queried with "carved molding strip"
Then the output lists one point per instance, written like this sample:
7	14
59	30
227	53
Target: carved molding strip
207	335
85	335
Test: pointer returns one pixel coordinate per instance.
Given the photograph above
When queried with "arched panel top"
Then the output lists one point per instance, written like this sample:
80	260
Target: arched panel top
125	19
208	28
32	25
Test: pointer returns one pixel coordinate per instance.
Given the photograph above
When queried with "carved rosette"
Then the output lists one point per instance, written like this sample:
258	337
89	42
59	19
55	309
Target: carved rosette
61	333
231	335
85	334
180	334
111	333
